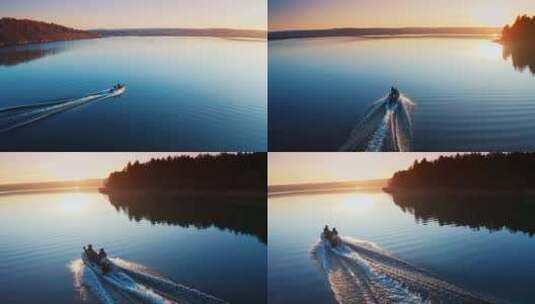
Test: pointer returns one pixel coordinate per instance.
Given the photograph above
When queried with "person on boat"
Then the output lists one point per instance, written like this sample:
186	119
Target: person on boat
102	255
335	240
394	93
326	232
103	262
91	253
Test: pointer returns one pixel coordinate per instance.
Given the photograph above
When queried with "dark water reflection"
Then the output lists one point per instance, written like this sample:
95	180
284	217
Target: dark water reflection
493	211
239	215
522	56
12	56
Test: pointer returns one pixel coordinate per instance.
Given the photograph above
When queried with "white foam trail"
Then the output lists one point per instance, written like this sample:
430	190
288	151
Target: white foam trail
385	127
19	116
85	278
359	283
377	141
161	283
135	282
361	272
396	292
124	282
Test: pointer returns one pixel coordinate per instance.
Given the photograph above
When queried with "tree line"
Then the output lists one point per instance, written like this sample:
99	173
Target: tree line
23	31
476	170
522	30
221	172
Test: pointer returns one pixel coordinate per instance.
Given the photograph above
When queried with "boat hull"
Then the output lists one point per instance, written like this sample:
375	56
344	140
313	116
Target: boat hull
96	268
118	92
333	241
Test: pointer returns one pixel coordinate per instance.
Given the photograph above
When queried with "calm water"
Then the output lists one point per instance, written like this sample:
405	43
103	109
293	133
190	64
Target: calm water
466	95
194	94
482	247
42	236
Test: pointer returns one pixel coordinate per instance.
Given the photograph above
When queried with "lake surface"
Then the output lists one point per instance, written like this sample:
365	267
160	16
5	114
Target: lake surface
194	94
483	247
42	235
462	94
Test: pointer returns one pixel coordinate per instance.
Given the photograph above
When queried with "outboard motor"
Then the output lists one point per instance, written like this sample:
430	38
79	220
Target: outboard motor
105	267
394	94
335	240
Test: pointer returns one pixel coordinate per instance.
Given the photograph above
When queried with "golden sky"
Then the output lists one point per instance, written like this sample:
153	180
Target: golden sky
41	167
93	14
306	167
321	14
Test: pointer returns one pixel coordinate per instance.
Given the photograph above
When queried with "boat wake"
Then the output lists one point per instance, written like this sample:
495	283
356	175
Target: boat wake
22	115
361	272
133	283
385	127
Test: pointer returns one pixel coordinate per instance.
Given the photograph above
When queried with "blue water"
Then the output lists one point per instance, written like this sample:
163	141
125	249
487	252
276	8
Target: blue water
194	94
473	249
41	237
467	96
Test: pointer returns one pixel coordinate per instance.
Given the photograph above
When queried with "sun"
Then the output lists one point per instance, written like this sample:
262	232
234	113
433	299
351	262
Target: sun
74	202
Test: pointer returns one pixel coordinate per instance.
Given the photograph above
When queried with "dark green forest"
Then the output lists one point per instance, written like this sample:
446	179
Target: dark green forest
473	171
205	172
522	30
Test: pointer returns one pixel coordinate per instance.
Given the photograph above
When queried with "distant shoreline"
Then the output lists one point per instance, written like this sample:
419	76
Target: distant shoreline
15	32
18	32
56	186
243	38
328	187
464	32
183	32
49	190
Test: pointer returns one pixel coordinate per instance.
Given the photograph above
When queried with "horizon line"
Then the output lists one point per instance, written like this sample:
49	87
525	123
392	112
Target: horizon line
92	179
136	27
332	182
175	28
385	28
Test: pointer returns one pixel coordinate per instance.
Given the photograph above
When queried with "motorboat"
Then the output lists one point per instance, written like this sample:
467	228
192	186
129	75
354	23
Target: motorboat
102	266
331	236
118	89
393	96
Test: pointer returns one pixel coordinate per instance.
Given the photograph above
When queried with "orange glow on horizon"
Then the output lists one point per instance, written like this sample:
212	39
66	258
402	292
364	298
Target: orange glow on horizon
120	14
43	167
299	168
316	14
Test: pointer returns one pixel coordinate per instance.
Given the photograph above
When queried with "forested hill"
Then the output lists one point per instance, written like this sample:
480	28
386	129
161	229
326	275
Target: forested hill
522	30
222	172
23	31
494	171
185	32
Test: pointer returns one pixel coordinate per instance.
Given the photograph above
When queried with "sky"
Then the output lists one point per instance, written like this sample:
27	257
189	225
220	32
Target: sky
18	168
306	167
109	14
321	14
